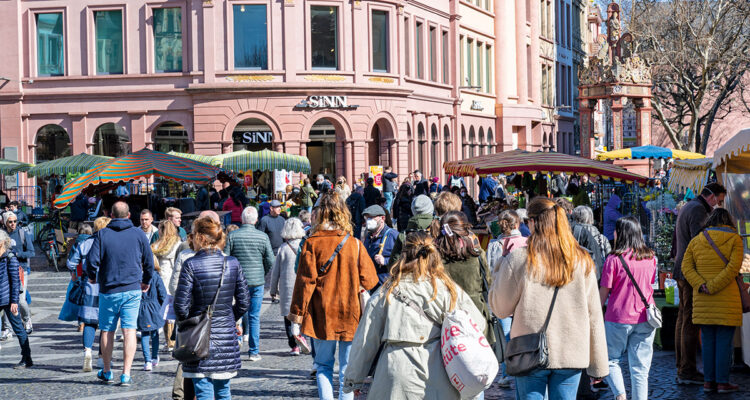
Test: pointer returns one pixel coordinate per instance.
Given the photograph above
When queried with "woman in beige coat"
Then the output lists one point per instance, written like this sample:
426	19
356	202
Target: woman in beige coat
523	286
410	364
165	251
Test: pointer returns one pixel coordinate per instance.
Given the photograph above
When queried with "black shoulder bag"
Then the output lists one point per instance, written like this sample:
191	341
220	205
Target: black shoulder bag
194	334
527	353
500	342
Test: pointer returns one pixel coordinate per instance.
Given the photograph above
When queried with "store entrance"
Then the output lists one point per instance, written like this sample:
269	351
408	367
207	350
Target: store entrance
321	150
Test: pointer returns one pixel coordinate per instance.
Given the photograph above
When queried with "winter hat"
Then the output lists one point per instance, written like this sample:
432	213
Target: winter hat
422	205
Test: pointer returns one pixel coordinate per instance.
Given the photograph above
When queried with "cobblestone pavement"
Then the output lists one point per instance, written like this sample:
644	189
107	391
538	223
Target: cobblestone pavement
58	357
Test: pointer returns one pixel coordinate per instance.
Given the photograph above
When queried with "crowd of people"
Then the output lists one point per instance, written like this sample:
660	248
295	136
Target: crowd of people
353	269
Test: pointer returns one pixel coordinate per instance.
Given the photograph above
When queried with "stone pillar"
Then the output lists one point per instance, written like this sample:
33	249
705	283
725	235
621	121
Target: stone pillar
393	154
303	153
79	135
290	30
348	162
643	122
209	37
137	130
279	147
617	107
521	56
587	128
534	61
505	50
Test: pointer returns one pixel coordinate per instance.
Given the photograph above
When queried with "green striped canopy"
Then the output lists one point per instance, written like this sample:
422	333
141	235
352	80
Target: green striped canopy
8	167
141	164
266	160
216	160
76	164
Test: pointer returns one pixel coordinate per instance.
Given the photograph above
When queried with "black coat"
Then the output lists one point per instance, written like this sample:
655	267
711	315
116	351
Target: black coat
199	280
402	212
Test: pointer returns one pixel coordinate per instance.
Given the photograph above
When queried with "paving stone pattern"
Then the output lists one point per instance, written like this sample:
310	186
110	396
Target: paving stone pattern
58	357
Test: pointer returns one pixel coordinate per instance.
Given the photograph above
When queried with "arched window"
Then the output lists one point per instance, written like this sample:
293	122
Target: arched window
447	143
322	148
171	136
472	142
464	144
252	134
52	142
491	147
435	149
421	147
111	140
481	141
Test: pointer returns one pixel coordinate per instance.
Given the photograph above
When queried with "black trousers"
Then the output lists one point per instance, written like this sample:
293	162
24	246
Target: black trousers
290	337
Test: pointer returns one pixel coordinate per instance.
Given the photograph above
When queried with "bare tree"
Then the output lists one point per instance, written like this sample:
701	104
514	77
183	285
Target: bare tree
698	52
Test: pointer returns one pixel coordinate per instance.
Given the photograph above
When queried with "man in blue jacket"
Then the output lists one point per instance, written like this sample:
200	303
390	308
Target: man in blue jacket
379	240
125	264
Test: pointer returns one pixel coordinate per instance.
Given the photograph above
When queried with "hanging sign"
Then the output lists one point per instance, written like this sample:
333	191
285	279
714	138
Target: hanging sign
376	173
282	178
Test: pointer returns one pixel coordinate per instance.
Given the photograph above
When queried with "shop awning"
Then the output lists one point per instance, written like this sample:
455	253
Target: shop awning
689	174
648	152
141	164
8	167
519	161
216	160
266	160
734	155
76	164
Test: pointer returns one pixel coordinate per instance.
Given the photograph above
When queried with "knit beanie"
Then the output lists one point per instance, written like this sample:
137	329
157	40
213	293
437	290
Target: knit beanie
422	205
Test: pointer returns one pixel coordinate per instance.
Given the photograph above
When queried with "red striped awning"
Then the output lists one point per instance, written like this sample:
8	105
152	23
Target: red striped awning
141	164
519	161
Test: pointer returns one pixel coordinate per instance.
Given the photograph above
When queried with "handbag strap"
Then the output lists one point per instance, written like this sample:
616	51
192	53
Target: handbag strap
221	282
716	248
551	307
414	306
630	275
328	263
483	271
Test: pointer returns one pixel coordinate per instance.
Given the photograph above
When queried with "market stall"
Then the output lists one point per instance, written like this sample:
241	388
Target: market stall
689	174
648	152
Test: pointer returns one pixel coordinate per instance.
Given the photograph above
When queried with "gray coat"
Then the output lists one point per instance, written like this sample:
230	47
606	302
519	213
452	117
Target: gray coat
690	221
283	275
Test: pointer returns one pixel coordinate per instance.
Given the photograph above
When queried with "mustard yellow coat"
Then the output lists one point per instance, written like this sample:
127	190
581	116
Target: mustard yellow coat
702	265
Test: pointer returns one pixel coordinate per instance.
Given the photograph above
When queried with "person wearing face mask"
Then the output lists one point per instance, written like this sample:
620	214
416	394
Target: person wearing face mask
468	206
379	240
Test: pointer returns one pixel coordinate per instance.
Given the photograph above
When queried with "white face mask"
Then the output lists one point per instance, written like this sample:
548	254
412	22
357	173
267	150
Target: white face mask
371	224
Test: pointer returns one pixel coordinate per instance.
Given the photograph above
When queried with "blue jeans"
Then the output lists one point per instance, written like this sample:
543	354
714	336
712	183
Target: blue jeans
89	334
388	201
505	324
253	319
149	352
17	325
210	389
114	306
717	352
637	340
325	350
559	384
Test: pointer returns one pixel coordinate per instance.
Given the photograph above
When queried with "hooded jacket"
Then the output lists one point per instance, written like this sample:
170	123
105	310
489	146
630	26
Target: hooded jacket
122	257
611	215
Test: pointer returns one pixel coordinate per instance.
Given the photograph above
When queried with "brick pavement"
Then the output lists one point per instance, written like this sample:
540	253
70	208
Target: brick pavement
58	358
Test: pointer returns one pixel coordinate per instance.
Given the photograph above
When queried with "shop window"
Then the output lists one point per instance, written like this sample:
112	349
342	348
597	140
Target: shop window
168	39
109	50
420	50
50	44
322	148
52	142
324	37
252	134
250	36
171	136
380	45
111	140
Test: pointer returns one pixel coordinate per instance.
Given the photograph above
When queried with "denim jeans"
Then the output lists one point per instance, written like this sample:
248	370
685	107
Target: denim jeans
253	319
717	352
17	325
210	389
505	324
150	352
89	334
325	351
637	341
388	201
559	384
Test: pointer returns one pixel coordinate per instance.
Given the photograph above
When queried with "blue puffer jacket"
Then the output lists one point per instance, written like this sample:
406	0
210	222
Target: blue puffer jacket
199	280
10	281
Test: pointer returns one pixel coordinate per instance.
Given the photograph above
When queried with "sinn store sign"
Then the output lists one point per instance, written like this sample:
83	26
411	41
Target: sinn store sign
326	102
254	137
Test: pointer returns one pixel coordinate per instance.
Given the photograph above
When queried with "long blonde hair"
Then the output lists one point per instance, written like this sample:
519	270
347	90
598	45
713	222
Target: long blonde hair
554	253
168	237
101	223
421	258
331	214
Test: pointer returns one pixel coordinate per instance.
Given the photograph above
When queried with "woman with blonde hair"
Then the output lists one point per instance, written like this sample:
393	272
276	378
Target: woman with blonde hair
553	280
165	251
333	265
410	364
343	188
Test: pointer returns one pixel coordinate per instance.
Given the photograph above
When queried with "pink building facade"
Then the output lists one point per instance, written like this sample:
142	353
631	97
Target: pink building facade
347	83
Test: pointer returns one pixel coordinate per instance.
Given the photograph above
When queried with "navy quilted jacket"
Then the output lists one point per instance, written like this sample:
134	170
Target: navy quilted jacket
10	281
199	280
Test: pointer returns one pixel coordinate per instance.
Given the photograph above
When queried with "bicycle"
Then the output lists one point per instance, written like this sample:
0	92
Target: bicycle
47	239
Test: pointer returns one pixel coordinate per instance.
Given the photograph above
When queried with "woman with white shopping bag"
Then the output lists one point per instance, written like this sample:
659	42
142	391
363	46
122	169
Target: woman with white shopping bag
552	293
398	340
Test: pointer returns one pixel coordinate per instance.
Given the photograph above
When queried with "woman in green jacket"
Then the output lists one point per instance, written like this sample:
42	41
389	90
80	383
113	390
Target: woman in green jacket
307	195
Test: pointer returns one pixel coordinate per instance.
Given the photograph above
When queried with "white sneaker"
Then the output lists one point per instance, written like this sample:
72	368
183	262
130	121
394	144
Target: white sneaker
255	357
155	363
87	360
6	335
147	366
505	382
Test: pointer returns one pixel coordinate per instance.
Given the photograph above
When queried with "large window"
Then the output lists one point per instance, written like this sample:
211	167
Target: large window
108	42
111	140
324	43
407	54
50	44
168	39
488	69
433	54
250	36
480	65
469	62
420	51
52	142
446	63
171	136
380	48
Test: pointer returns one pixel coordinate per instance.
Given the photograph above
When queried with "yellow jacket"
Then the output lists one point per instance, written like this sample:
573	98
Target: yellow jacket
702	265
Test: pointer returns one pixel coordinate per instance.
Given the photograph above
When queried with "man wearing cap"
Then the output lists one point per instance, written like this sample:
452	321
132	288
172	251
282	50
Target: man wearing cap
422	210
272	225
379	240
